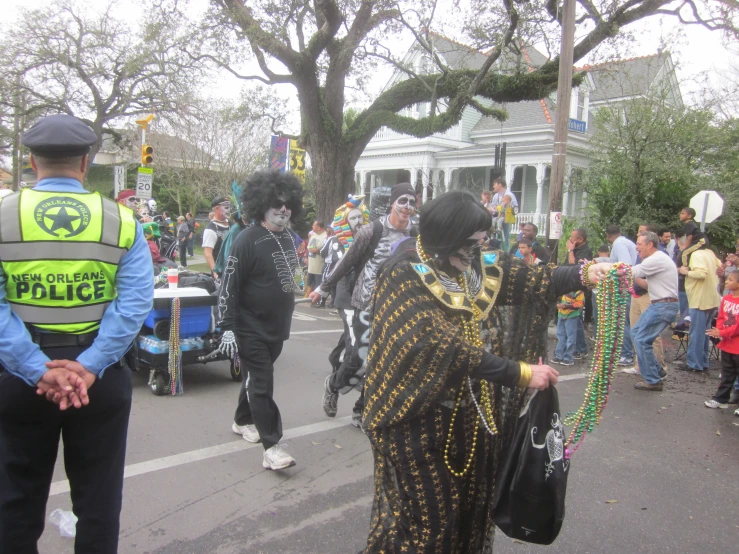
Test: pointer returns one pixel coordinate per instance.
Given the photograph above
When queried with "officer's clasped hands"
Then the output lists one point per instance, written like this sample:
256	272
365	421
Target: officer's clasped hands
66	383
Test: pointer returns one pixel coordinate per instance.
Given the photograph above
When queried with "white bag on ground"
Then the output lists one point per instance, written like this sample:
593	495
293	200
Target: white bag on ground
66	521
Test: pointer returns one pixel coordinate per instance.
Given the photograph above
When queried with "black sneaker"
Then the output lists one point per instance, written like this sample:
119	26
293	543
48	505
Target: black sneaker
562	362
330	398
555	360
580	356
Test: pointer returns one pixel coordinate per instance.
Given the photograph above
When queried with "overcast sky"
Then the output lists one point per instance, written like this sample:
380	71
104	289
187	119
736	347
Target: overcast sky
695	51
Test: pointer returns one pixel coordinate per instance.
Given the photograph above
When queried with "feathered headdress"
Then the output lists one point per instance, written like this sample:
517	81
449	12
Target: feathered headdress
340	225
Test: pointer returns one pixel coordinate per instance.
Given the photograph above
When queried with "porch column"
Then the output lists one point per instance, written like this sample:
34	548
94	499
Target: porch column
539	186
425	179
449	178
362	181
584	201
566	202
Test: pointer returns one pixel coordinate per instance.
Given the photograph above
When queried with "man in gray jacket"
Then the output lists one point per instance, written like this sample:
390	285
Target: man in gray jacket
372	245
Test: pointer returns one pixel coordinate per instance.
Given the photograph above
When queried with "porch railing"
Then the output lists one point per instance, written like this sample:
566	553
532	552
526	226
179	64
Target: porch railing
540	220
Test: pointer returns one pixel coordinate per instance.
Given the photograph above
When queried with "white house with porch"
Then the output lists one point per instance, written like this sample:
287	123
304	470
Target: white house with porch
470	154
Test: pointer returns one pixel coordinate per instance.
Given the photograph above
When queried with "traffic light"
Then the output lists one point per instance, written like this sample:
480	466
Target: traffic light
147	154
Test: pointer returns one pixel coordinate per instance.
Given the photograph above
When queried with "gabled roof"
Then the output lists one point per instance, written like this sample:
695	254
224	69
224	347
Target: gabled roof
458	56
529	113
166	146
612	80
625	78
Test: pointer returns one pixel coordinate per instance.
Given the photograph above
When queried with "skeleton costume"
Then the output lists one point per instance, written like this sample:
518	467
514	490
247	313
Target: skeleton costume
348	219
372	245
257	297
442	386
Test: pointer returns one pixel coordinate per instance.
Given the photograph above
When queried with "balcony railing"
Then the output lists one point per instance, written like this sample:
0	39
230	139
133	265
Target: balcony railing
388	134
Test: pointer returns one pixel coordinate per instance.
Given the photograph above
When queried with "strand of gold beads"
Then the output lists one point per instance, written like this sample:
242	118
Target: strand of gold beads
471	333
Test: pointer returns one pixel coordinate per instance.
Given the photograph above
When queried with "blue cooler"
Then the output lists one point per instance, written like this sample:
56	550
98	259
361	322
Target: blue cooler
196	307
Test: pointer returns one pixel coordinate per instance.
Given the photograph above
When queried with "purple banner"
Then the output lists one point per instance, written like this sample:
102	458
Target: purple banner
278	151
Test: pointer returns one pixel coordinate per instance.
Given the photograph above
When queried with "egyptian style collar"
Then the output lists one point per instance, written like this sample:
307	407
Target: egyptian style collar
482	302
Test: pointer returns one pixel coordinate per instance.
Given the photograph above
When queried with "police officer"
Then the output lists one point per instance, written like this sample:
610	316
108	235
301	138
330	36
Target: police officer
72	300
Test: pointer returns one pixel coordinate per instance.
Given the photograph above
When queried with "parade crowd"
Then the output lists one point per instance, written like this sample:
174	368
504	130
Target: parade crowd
445	317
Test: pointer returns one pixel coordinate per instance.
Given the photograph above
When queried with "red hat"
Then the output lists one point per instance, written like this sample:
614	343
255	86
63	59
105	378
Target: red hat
125	194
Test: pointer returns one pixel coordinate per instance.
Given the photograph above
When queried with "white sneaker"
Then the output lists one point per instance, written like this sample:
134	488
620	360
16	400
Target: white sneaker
736	412
630	371
276	458
249	432
713	404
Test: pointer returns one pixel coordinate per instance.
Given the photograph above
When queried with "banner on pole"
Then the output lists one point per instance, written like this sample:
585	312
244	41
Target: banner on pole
297	161
143	182
278	152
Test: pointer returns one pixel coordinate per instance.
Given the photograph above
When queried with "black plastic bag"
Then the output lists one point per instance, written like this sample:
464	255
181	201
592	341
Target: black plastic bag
531	481
379	202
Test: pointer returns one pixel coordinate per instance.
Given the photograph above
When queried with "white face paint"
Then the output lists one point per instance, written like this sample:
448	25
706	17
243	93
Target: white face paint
225	211
279	217
466	254
404	207
355	219
153	205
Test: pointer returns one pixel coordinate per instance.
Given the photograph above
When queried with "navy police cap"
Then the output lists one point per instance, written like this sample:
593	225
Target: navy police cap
59	136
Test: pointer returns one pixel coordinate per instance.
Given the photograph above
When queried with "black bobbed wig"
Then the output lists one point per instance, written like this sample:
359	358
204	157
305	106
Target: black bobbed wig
264	189
448	220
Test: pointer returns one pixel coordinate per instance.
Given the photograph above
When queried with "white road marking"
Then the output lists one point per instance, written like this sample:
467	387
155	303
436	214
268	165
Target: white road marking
316	332
60	487
573	376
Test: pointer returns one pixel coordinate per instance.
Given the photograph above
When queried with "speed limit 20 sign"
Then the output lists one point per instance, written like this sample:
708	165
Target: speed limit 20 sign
143	182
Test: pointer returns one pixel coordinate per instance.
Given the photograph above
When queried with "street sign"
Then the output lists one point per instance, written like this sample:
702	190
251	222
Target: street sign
119	179
555	225
708	206
577	125
143	182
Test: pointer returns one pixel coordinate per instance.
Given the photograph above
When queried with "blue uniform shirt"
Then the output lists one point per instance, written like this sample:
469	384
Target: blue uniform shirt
121	323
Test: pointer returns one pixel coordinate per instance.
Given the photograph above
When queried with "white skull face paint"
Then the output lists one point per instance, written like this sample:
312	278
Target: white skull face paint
464	256
355	219
153	205
404	207
279	217
225	209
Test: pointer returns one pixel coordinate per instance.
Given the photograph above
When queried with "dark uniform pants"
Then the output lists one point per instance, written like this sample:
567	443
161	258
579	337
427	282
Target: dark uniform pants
256	406
94	456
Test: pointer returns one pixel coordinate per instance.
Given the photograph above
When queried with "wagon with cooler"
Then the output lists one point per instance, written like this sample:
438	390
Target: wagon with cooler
196	335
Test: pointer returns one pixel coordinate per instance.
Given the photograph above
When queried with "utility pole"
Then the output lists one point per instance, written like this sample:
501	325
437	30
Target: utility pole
564	94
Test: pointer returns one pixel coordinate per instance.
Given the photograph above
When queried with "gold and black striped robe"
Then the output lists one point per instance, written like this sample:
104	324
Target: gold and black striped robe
417	362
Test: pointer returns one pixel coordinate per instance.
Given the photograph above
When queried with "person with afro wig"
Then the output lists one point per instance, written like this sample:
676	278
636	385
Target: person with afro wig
256	305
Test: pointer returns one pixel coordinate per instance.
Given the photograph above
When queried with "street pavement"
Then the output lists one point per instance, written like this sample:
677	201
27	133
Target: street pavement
660	474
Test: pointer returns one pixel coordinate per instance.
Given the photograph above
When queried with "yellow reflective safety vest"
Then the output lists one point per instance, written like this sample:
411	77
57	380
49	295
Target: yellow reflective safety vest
60	253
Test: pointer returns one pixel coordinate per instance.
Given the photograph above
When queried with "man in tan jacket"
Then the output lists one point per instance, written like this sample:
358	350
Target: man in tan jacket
701	285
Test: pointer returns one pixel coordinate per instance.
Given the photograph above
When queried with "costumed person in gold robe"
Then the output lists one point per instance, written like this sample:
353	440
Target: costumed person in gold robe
456	337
